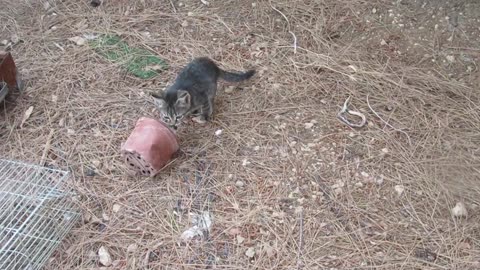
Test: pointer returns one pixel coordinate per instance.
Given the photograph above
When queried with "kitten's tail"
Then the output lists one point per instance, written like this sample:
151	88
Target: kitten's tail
236	77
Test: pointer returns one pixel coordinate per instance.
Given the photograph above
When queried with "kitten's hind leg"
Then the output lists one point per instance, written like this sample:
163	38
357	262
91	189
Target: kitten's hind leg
205	112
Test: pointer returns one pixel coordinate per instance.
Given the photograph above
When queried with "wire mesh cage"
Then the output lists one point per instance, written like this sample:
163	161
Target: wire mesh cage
37	210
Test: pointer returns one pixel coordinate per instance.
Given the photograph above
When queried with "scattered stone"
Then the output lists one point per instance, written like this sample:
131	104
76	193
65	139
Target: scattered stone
218	132
309	125
383	42
190	14
239	184
132	248
399	189
459	210
250	253
105	217
116	207
374	10
104	256
70	131
385	150
254	4
229	89
240	239
95	3
78	40
450	58
359	184
245	162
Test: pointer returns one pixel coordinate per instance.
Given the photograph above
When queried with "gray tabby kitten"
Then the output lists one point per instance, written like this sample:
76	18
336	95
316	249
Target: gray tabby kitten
193	91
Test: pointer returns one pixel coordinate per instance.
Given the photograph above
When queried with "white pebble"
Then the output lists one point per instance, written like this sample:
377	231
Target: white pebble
450	58
308	125
383	42
374	10
459	210
218	132
104	257
239	183
399	189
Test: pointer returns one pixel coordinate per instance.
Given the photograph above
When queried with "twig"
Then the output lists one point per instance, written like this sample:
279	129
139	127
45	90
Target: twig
173	6
300	244
346	121
388	124
47	147
289	28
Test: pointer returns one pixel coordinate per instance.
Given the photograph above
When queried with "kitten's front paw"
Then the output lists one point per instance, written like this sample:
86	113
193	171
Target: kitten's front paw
199	119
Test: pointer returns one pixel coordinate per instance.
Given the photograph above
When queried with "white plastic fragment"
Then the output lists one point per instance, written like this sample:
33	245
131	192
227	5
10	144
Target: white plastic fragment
218	132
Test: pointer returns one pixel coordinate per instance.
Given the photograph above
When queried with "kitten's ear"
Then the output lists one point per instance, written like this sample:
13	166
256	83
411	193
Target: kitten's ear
183	98
159	100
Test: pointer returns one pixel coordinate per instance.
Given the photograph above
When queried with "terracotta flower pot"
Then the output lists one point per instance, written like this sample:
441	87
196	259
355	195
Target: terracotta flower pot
149	147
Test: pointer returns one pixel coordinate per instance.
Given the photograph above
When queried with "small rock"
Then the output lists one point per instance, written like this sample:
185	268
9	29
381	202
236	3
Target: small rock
104	256
95	3
239	184
184	24
4	42
379	180
254	4
240	239
132	248
96	163
105	217
374	10
256	148
399	189
116	207
459	210
90	172
229	89
218	132
250	253
359	184
383	42
190	14
78	40
308	125
364	174
450	58
385	150
245	162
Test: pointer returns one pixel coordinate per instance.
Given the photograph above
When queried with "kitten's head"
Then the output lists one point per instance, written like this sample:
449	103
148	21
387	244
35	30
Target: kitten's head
173	106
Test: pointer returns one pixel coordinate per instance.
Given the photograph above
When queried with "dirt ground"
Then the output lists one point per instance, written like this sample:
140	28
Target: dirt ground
288	185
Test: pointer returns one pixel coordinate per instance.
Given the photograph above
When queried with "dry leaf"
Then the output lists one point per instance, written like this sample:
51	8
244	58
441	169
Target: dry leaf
27	114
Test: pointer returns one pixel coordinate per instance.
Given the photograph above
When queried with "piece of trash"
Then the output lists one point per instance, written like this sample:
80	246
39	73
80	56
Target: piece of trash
346	121
104	256
137	61
26	115
201	224
459	210
399	189
218	132
250	253
78	40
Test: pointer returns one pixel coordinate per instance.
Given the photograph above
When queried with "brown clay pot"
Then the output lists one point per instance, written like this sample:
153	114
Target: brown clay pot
149	147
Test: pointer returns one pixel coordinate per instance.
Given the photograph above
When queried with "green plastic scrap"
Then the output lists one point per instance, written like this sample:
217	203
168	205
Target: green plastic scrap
139	62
